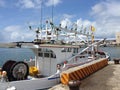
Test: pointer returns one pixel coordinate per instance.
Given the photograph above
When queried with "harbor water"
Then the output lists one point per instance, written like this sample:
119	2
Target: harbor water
17	54
20	54
113	51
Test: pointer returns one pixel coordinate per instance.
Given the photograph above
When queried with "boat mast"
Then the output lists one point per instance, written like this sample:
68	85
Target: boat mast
46	29
41	19
52	10
92	38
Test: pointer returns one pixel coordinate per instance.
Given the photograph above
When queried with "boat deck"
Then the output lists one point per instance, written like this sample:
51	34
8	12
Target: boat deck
59	46
107	78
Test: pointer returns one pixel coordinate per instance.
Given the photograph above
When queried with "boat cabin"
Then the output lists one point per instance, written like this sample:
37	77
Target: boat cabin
48	56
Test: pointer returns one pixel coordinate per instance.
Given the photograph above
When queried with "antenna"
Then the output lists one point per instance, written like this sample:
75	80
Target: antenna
41	19
53	31
52	9
41	15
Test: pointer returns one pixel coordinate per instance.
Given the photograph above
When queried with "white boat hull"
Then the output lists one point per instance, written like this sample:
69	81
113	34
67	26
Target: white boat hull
35	84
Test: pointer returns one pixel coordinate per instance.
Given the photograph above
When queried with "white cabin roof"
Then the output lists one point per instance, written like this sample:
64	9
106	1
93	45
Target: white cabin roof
58	46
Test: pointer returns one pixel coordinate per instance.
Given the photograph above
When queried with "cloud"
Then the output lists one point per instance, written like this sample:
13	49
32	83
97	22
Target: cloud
15	33
2	3
85	23
107	17
66	21
35	4
29	3
68	16
52	2
79	23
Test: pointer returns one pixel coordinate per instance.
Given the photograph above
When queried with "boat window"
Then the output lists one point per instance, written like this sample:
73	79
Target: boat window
66	50
46	53
63	50
39	49
40	54
69	49
75	50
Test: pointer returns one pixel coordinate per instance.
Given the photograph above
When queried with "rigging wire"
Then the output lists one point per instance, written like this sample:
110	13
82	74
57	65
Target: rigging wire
52	9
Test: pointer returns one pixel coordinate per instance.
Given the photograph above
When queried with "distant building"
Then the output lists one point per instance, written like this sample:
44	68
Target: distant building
118	38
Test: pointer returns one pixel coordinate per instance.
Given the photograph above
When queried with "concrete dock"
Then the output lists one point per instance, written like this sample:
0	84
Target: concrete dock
108	78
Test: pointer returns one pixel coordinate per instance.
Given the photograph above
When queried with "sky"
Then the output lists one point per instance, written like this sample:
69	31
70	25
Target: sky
17	15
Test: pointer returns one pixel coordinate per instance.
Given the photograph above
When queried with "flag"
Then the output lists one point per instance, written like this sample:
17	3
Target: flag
92	28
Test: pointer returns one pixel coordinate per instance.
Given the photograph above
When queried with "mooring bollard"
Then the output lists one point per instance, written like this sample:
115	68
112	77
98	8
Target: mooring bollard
74	84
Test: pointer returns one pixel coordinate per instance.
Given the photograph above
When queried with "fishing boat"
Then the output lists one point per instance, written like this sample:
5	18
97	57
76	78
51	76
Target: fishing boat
51	58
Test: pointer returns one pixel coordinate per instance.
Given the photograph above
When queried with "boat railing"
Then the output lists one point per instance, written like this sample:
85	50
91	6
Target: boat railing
74	57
